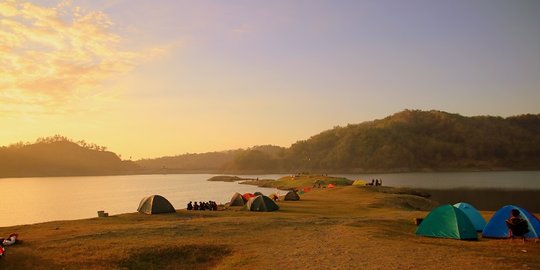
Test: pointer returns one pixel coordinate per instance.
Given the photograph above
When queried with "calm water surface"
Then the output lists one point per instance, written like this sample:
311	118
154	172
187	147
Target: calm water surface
32	200
512	180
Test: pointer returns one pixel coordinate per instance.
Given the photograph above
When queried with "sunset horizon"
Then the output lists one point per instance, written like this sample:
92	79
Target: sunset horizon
306	134
166	78
245	147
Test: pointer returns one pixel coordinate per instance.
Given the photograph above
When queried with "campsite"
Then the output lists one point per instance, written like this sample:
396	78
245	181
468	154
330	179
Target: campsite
346	227
253	135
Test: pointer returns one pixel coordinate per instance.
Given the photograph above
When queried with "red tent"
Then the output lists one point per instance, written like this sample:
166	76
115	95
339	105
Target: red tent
331	185
247	196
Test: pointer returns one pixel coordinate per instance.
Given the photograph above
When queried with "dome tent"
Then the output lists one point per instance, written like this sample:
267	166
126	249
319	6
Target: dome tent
359	182
237	200
261	203
247	196
447	221
292	196
496	227
155	204
477	220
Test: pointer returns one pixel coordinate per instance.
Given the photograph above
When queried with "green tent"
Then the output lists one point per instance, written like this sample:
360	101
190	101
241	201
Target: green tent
447	221
261	203
257	193
237	200
292	196
155	204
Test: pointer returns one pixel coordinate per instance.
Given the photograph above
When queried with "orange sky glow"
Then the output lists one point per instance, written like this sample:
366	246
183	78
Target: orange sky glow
155	78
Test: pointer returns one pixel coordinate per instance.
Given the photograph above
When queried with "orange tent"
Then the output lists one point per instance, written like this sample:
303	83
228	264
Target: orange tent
331	185
247	196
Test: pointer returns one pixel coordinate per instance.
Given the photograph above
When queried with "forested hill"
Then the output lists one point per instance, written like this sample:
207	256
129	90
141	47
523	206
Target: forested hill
59	156
406	141
423	140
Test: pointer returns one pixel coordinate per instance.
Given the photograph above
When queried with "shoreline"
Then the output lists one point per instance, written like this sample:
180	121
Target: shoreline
340	172
483	199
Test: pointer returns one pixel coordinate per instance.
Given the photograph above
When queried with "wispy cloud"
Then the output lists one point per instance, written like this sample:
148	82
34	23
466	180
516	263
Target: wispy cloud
242	29
50	56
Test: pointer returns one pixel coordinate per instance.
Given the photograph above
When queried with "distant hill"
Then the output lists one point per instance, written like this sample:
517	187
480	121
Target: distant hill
415	140
410	140
59	156
254	158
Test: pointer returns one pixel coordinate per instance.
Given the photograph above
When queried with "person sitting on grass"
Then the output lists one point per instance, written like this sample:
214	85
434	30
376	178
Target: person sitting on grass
12	239
518	227
190	206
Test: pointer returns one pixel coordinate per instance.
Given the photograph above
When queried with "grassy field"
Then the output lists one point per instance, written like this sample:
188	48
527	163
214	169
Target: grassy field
347	227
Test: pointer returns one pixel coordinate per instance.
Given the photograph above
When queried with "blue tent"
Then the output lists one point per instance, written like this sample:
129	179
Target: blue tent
477	220
496	227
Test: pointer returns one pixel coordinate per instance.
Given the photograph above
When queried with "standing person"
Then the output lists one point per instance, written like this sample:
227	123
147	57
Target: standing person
190	206
518	227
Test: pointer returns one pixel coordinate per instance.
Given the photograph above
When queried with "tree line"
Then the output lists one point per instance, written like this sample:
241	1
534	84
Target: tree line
411	140
57	138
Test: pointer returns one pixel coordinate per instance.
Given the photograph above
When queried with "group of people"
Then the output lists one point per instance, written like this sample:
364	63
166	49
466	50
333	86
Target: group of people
375	182
210	205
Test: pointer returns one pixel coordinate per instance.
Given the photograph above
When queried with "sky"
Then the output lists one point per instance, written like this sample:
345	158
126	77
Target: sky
167	77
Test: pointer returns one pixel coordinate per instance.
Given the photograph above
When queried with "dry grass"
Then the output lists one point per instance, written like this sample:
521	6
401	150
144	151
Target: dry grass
341	228
180	257
298	181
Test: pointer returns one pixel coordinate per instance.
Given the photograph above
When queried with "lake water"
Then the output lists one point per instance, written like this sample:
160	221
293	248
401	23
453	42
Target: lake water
33	200
512	180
